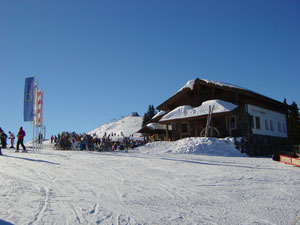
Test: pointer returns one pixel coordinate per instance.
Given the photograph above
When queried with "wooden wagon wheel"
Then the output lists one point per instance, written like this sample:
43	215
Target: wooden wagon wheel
215	132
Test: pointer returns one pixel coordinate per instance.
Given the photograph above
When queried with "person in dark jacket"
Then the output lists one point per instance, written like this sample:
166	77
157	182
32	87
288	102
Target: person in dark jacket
0	145
3	138
21	135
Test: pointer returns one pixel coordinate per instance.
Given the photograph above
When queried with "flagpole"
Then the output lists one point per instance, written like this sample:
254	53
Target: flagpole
36	117
35	145
32	135
39	118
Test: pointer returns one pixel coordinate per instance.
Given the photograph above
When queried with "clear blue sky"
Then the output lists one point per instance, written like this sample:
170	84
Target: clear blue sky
100	60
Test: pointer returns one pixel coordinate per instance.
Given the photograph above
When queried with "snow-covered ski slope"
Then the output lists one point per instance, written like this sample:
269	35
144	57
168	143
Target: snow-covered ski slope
128	126
160	183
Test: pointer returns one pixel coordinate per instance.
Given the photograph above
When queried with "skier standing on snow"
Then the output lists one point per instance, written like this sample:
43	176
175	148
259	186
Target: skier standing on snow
20	136
40	138
12	139
3	138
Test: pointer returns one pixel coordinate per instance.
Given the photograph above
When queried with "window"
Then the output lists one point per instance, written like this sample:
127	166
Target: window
279	126
271	125
231	123
267	125
257	122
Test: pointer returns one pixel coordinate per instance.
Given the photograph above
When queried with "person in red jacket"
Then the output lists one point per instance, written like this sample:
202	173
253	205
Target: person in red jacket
21	135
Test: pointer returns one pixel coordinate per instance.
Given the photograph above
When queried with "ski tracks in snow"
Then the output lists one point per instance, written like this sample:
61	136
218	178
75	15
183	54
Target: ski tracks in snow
43	206
102	216
135	188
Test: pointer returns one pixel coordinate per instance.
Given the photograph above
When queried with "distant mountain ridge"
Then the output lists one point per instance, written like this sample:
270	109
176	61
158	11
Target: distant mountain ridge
128	126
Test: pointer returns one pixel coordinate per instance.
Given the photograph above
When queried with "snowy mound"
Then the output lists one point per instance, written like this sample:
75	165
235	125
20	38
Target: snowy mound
198	146
127	126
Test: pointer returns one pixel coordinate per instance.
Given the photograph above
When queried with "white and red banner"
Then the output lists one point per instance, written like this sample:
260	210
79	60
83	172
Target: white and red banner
39	113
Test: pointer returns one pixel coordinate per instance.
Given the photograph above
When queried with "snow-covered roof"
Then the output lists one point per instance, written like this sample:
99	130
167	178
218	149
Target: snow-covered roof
157	126
188	111
160	113
190	84
173	100
223	84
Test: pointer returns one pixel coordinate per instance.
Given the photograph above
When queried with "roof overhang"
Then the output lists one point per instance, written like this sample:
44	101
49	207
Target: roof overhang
215	107
224	114
154	128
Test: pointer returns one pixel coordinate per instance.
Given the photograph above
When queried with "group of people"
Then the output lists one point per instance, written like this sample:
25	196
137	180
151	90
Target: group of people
74	141
20	136
53	139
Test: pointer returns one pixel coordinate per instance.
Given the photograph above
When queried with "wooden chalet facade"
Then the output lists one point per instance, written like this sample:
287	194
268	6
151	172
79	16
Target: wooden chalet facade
258	121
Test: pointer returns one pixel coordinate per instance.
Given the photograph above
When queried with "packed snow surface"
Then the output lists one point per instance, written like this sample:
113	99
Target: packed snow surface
191	181
187	111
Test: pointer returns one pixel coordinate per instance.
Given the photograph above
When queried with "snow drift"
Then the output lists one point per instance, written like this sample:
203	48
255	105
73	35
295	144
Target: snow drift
197	145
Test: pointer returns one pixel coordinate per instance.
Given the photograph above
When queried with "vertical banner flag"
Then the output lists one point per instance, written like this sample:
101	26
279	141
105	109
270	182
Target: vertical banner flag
29	96
39	108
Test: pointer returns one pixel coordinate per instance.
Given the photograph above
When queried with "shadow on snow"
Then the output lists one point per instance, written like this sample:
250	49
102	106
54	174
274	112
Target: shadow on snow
2	222
194	161
33	160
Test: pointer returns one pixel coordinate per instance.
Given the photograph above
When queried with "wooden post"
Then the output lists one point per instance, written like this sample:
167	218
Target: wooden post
207	122
167	132
229	126
180	130
210	112
196	128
